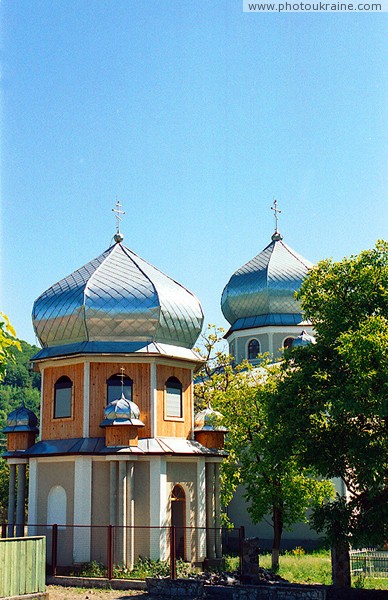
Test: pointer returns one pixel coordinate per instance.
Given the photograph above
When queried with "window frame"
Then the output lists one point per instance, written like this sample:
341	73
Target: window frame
173	379
247	348
117	377
58	385
289	337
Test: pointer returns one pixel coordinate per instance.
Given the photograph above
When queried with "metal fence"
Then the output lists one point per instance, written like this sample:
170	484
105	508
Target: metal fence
369	562
135	552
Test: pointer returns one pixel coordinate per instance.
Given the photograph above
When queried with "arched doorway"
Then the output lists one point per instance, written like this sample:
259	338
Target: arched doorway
178	518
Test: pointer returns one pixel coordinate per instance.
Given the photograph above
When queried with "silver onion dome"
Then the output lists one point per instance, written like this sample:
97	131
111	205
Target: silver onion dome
117	297
303	339
21	419
122	412
262	291
208	420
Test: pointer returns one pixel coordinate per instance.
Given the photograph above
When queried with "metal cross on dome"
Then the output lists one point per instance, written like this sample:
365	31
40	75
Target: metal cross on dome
122	376
276	210
118	237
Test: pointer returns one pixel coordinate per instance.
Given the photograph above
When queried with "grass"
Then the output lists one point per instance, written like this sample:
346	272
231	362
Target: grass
296	566
315	567
302	568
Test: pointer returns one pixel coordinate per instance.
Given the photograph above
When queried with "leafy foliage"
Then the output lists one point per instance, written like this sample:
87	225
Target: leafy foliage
8	343
17	384
337	393
259	454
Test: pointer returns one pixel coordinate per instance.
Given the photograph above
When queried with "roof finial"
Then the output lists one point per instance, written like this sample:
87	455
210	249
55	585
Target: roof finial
118	236
122	380
276	236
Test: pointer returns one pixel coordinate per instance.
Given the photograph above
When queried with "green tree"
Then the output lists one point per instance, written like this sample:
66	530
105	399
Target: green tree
336	393
18	384
258	454
8	343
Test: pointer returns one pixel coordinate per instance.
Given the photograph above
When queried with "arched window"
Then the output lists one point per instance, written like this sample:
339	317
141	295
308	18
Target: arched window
56	506
114	385
288	343
174	398
253	349
178	519
63	392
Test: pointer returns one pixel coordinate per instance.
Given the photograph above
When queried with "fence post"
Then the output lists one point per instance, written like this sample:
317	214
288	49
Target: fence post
54	550
241	537
172	552
4	530
110	551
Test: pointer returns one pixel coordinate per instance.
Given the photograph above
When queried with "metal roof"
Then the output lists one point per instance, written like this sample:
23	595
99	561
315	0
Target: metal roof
265	286
146	446
153	348
209	420
117	297
21	419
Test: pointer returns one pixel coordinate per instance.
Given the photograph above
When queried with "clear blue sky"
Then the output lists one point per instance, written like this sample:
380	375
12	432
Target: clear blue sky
195	115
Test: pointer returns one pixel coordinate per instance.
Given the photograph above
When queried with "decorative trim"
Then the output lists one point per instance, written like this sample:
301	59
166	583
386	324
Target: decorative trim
115	358
201	509
255	331
86	407
41	401
82	508
247	347
158	509
32	496
153	399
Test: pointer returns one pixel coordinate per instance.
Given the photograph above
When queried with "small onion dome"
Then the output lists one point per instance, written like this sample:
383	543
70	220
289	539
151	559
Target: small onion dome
21	419
303	339
122	412
208	420
207	430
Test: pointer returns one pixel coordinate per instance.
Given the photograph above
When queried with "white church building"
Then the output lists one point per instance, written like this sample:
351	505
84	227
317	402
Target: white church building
118	441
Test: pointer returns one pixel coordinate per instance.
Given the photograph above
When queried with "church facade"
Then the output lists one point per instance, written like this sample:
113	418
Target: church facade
118	441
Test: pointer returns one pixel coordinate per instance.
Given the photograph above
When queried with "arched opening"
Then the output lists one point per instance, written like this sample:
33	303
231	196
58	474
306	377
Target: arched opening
173	398
63	392
178	518
253	349
56	506
115	384
288	343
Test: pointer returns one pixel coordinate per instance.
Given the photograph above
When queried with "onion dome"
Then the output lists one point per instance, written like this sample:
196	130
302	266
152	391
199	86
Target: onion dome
117	297
303	339
122	412
208	420
262	291
21	419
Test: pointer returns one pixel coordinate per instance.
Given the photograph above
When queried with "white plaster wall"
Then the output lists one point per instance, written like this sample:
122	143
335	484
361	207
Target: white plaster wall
301	534
50	474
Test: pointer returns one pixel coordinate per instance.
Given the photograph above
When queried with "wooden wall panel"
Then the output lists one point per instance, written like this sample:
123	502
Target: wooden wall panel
20	440
121	435
72	427
174	427
99	373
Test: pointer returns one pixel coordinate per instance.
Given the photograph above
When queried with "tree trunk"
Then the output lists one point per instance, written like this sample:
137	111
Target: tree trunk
340	565
277	536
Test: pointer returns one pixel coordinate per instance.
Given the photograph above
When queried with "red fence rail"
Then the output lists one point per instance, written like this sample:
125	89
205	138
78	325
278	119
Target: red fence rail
178	543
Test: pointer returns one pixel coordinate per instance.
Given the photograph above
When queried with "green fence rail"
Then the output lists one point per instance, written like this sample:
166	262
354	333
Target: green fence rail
370	562
22	566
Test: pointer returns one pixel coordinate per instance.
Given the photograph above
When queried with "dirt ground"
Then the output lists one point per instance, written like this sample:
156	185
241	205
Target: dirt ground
58	592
